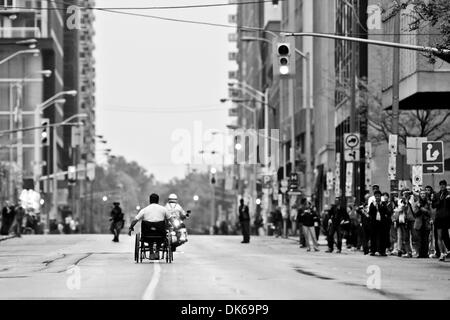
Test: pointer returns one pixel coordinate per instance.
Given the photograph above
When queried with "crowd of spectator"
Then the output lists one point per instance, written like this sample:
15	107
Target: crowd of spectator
409	224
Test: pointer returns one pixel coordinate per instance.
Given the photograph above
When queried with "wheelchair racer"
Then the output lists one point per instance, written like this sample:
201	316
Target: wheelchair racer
154	212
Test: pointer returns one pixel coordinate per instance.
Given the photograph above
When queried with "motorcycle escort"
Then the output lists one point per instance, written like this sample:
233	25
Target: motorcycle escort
178	230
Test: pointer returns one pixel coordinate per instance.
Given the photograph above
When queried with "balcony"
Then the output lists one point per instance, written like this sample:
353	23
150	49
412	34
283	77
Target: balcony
20	32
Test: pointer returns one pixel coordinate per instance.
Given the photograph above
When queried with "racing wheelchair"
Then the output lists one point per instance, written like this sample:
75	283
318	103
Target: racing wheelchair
154	237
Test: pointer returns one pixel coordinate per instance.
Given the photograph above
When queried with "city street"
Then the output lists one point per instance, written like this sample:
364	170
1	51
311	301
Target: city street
207	267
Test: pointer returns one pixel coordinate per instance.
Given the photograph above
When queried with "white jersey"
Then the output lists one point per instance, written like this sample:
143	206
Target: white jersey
153	213
175	209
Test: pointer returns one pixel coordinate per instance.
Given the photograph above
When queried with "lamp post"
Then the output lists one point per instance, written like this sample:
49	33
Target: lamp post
55	165
15	54
308	108
37	113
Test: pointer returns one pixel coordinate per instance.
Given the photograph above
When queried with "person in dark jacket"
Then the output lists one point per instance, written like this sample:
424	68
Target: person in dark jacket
422	225
20	213
337	218
117	221
244	219
363	212
8	214
441	221
378	215
308	216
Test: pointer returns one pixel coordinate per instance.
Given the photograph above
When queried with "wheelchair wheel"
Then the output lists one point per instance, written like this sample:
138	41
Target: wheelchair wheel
136	248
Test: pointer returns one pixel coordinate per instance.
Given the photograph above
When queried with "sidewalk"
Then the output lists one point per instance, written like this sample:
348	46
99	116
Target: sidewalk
322	240
7	237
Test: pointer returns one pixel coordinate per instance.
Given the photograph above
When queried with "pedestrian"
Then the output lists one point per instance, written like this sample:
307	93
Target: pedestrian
278	221
299	221
307	217
337	218
390	232
7	218
20	213
375	188
442	219
244	219
117	221
378	214
363	212
352	228
422	225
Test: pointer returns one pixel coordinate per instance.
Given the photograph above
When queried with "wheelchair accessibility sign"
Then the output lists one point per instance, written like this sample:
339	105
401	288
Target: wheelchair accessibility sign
433	157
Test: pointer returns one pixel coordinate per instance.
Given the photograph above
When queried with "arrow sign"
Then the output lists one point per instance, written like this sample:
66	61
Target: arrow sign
434	168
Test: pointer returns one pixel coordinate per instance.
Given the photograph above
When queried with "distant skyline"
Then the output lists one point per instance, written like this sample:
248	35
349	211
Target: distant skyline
156	77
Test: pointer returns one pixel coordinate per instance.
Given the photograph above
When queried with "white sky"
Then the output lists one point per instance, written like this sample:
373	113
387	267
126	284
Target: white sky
149	70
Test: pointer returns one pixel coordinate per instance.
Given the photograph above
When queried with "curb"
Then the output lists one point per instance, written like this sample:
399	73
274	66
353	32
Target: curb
7	237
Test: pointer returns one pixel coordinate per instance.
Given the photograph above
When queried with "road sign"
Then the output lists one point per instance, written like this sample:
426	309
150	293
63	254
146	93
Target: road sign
417	178
349	179
368	148
433	157
393	144
337	176
293	181
433	168
330	179
283	189
392	169
351	155
351	140
414	150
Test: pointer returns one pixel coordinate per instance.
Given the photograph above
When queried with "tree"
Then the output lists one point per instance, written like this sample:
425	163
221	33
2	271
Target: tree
431	13
431	123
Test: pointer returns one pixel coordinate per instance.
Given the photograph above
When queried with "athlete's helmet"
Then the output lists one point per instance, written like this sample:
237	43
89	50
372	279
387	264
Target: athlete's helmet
173	197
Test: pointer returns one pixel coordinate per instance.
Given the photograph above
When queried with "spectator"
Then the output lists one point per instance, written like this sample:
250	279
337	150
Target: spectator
299	221
337	218
307	218
20	213
363	212
409	235
422	225
441	221
244	219
277	220
390	232
7	218
378	214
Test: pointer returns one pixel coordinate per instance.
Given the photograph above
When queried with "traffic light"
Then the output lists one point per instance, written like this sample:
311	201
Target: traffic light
45	132
284	59
212	175
71	174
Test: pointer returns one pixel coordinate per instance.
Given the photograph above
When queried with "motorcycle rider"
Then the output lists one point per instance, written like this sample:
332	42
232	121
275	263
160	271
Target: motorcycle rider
174	209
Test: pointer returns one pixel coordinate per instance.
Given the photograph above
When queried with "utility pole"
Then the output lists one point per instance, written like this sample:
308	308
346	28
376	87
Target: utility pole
308	123
353	75
396	84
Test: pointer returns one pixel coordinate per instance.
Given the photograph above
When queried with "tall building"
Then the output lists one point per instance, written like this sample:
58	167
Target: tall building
79	142
37	84
23	89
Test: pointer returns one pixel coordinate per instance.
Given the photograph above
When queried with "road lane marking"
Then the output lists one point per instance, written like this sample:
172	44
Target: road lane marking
149	293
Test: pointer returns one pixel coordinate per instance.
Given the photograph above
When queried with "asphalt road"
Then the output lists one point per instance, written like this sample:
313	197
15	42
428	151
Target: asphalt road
209	267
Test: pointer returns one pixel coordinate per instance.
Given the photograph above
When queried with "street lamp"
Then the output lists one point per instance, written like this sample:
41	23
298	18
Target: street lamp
31	51
195	197
37	112
105	198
